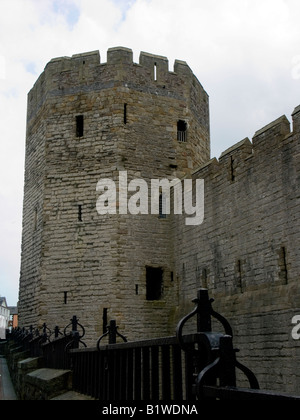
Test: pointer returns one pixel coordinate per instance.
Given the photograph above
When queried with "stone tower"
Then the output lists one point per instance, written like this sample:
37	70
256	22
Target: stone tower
88	121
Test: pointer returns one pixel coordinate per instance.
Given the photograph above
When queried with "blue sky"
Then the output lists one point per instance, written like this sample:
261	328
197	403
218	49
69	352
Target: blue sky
246	53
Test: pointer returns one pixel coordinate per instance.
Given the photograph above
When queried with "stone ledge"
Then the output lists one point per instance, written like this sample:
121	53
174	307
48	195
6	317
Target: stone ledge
30	364
73	396
44	384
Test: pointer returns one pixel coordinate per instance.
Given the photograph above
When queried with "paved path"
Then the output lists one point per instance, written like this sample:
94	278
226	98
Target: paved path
7	391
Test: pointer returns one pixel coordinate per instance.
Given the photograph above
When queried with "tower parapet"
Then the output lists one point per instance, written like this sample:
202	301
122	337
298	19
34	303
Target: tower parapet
85	72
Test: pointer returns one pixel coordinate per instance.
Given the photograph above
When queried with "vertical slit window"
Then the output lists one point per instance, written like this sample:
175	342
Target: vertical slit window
125	113
239	275
232	172
65	297
80	213
79	126
35	219
162	206
283	269
104	320
181	131
204	278
155	72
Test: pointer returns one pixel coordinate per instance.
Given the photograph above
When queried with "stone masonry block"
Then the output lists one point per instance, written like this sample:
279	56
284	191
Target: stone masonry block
44	384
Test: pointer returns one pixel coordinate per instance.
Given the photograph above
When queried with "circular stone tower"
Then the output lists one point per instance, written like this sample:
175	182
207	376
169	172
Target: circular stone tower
87	122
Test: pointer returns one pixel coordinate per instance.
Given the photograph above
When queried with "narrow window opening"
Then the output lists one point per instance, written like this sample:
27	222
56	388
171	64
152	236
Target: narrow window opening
136	289
154	277
204	278
125	113
239	275
232	175
80	213
162	206
172	276
155	72
104	320
181	131
283	273
65	297
79	126
35	219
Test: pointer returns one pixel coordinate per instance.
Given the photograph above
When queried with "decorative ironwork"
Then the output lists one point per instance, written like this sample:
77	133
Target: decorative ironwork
112	333
201	365
215	358
76	336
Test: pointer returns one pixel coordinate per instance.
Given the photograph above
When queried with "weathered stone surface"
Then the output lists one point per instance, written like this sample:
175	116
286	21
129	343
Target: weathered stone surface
45	384
246	252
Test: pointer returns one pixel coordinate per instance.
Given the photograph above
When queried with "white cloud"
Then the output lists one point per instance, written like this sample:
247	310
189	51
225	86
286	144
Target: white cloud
244	52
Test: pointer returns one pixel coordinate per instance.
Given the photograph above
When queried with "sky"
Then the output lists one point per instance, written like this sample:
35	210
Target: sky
245	53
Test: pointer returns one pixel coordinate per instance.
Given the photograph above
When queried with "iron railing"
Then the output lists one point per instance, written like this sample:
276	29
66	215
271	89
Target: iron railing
185	367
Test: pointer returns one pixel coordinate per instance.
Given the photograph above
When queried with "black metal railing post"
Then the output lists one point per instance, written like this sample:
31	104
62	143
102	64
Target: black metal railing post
203	311
112	333
214	358
227	372
112	336
75	332
56	332
76	336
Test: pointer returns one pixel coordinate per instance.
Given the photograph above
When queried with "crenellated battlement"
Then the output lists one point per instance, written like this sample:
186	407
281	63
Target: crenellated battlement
85	72
124	56
267	141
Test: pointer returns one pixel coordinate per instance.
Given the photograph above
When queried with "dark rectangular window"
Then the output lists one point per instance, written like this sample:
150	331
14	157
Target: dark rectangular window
154	283
79	126
181	131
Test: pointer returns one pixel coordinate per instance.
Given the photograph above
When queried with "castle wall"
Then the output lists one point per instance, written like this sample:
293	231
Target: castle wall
246	252
32	230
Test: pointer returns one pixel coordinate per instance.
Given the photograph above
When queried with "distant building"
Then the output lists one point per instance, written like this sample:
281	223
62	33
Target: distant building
13	319
4	317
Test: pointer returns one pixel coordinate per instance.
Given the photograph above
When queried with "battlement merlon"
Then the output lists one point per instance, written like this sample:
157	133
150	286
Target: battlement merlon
296	119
